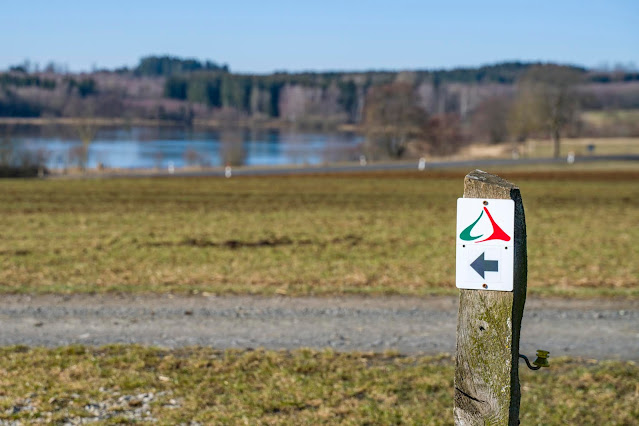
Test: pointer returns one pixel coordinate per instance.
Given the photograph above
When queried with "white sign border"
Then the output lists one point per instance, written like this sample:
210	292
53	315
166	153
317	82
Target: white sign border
503	212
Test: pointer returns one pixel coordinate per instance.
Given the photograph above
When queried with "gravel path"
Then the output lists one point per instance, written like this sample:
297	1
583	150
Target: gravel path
600	329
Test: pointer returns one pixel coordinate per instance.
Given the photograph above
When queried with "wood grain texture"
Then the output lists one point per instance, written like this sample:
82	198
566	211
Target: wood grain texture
488	326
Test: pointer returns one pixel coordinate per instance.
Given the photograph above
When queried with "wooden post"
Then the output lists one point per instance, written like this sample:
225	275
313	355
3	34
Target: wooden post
488	326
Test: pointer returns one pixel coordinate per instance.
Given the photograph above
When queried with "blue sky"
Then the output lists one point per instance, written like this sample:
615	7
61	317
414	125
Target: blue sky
262	36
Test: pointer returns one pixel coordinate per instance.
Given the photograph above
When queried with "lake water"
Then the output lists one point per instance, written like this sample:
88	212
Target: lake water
146	147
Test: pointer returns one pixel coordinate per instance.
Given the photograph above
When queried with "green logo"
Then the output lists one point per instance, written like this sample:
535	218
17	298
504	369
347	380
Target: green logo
465	234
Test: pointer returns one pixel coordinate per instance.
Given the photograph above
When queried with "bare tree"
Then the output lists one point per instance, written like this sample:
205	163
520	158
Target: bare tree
85	126
489	120
232	149
547	101
392	117
6	146
443	134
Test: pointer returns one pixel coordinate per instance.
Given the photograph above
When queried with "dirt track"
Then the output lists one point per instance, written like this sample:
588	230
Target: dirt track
600	329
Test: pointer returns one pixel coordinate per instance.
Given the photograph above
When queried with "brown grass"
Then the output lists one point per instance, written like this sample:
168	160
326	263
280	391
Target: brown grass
373	234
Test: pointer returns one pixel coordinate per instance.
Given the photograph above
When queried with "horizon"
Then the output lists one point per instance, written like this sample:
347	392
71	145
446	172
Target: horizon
257	38
628	67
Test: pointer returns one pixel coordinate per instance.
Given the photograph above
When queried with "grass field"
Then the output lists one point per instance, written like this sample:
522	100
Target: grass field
125	383
368	234
611	117
619	122
579	146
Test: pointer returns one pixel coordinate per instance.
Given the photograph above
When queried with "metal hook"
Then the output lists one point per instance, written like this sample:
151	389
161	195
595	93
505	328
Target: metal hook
541	361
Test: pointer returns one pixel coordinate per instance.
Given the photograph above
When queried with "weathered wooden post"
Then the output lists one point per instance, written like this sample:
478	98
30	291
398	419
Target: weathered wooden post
488	324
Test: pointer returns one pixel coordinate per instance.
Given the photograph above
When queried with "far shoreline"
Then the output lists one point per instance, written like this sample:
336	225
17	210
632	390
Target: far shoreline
196	123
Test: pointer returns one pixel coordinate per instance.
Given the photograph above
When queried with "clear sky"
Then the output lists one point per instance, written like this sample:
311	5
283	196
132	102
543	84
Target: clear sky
266	35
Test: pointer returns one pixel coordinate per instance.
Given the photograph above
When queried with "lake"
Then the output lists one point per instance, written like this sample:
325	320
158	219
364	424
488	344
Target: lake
159	147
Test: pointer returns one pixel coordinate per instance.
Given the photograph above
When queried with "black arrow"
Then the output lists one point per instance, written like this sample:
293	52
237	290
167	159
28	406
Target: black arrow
480	265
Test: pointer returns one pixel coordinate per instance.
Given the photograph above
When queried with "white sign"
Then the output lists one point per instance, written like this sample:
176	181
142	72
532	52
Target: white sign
485	244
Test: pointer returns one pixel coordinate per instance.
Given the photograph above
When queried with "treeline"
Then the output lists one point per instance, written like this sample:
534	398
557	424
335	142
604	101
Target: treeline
84	86
156	66
613	77
21	79
342	96
185	89
31	95
262	94
502	73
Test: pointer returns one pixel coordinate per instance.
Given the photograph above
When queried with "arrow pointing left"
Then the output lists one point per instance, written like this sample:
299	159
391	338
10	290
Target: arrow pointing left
481	265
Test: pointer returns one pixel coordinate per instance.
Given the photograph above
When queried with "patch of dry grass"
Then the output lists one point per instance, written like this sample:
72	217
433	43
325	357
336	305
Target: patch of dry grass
579	146
126	383
372	234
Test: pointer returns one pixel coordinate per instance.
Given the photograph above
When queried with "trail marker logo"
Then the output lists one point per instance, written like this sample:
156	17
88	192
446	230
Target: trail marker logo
497	232
485	244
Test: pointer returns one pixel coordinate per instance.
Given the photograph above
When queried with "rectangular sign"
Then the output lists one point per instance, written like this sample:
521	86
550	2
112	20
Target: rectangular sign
485	244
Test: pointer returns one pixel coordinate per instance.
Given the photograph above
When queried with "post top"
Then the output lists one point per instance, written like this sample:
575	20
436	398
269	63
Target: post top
488	178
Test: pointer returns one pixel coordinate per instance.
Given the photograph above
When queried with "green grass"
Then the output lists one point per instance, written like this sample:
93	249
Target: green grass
300	387
379	234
